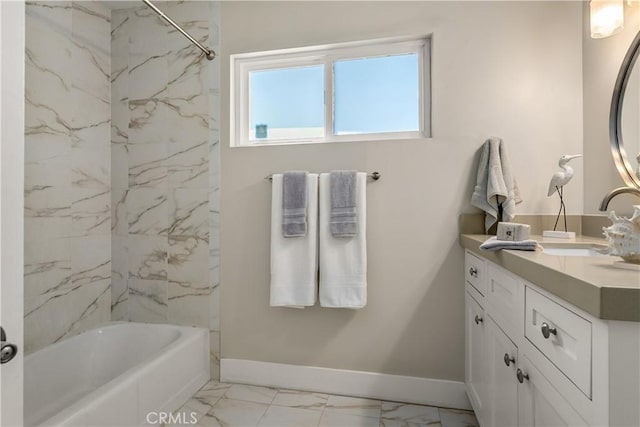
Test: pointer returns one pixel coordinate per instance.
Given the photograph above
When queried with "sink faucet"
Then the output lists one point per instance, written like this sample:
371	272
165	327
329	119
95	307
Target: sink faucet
613	193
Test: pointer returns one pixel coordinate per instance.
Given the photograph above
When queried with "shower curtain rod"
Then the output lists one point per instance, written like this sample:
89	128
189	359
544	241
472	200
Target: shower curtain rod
209	53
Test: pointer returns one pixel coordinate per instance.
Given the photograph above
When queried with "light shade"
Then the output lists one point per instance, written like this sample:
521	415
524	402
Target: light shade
607	17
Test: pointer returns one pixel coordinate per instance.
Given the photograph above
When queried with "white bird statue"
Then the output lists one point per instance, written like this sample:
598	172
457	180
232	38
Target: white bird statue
558	181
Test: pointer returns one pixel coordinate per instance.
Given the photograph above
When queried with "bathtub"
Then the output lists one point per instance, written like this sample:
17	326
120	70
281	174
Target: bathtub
115	375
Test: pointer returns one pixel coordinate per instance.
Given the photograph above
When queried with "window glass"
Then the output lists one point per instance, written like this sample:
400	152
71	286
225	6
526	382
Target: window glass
376	95
286	103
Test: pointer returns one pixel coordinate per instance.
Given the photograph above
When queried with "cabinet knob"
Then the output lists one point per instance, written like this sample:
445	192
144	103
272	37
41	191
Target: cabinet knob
478	319
473	272
7	350
521	376
508	360
547	330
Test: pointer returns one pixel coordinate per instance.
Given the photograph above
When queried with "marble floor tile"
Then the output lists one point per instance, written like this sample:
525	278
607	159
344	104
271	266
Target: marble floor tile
353	406
231	412
412	414
457	418
239	405
178	425
301	399
212	392
281	416
251	393
337	419
196	407
394	423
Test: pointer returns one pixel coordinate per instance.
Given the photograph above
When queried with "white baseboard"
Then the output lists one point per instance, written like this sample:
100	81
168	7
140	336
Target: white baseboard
398	388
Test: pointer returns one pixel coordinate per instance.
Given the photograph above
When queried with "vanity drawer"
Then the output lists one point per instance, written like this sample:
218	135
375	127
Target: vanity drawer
505	297
561	335
474	272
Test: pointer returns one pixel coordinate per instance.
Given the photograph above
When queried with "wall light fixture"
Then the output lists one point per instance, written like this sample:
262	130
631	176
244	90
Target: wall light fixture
607	17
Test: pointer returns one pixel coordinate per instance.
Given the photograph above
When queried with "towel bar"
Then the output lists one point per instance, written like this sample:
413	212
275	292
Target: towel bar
373	175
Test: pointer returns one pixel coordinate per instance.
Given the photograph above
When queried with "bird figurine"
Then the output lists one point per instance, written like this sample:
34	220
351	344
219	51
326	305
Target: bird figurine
558	181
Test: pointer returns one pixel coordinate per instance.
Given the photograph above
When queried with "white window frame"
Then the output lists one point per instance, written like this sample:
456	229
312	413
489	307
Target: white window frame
243	64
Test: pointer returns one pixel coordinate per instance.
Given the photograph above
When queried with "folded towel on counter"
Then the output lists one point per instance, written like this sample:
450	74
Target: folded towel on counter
343	262
344	212
493	244
496	191
294	262
294	217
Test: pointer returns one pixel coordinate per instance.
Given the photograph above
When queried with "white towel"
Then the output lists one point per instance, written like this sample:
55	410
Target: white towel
294	261
343	260
495	185
493	244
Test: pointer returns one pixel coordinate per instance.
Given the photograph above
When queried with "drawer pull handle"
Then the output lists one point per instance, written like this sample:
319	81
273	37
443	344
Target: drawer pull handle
478	319
508	360
473	272
547	330
521	376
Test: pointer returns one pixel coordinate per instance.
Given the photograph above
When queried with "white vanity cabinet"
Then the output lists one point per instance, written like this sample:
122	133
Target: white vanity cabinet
539	403
475	338
502	395
532	359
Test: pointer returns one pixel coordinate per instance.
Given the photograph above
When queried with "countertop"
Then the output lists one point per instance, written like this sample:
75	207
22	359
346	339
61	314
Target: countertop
592	284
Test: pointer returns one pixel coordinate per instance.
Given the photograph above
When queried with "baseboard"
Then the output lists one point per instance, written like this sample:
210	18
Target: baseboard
398	388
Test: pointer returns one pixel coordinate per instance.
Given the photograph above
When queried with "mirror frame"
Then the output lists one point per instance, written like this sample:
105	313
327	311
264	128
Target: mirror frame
626	171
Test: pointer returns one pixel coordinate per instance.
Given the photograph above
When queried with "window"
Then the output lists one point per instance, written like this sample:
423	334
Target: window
345	92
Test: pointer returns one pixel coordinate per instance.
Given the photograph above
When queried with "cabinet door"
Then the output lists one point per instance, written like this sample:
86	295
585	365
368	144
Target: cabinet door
475	355
502	354
540	404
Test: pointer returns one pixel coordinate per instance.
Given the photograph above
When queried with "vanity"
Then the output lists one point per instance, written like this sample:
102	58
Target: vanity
551	340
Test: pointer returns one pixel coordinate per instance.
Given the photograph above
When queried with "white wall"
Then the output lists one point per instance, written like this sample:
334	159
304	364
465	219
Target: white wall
511	69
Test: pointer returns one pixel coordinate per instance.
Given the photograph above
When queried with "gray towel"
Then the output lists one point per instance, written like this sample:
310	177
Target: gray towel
496	191
294	197
344	212
493	244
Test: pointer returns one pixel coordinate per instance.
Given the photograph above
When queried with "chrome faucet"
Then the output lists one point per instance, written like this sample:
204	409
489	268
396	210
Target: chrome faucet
613	193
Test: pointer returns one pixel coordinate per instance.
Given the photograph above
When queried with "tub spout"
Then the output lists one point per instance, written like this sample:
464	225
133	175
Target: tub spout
613	193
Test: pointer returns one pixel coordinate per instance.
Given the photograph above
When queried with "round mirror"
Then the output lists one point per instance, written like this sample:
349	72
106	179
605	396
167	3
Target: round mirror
624	121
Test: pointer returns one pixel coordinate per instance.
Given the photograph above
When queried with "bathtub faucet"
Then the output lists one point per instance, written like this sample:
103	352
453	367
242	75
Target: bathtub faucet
613	193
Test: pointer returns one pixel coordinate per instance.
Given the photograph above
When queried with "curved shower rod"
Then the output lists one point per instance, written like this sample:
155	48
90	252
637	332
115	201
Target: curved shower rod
209	53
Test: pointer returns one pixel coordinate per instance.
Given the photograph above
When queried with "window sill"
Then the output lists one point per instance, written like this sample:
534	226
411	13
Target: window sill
417	139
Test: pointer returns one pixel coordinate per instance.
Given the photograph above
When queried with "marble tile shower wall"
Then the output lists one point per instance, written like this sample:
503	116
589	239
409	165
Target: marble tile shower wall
164	176
67	170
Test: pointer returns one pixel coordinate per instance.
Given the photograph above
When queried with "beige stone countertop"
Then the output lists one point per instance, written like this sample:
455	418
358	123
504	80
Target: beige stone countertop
590	283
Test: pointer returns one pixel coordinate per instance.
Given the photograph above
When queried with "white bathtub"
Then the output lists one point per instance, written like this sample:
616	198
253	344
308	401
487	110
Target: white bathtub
115	375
